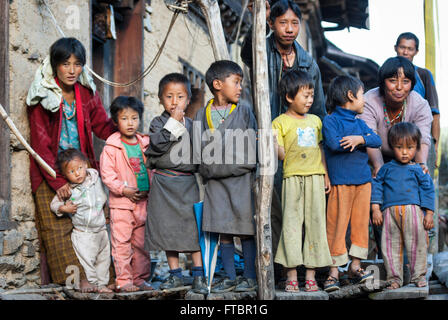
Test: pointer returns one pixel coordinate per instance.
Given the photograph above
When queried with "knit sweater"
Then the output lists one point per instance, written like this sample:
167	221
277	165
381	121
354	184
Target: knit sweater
403	184
345	167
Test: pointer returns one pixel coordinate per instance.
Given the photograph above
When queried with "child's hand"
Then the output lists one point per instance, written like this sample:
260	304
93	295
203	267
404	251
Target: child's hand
351	142
327	184
68	207
377	215
141	195
428	221
177	114
130	193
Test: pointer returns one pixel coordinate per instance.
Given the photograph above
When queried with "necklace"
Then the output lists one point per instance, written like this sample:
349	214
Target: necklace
66	110
390	122
223	118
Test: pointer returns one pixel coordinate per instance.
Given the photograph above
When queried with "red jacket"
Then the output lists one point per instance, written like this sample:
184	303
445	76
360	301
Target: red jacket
45	131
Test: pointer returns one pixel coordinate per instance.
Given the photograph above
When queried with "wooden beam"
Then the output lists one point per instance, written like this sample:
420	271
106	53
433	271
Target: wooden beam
128	59
210	9
265	269
5	157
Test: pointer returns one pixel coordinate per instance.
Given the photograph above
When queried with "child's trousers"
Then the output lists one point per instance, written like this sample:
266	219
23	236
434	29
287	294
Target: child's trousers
348	204
303	200
131	261
93	252
403	226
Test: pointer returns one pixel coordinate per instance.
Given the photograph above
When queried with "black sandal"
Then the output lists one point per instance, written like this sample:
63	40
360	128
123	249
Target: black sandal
360	275
331	284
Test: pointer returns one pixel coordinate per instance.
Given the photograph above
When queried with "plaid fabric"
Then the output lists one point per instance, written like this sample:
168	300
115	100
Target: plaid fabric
55	235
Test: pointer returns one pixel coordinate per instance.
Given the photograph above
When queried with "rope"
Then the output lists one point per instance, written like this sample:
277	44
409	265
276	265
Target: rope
143	74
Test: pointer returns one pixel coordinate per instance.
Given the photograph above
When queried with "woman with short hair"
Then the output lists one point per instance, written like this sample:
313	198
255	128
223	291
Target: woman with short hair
392	102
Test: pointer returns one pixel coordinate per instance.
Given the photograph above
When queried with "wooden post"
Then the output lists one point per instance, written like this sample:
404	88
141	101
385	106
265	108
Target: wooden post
265	269
210	9
5	157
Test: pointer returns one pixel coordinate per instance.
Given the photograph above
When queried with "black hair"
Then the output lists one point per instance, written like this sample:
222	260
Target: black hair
408	36
68	155
389	69
280	7
62	49
337	94
404	130
220	70
124	102
176	78
291	82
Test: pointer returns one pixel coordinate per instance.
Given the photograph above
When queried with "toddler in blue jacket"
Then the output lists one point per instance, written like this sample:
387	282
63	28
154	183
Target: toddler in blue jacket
401	192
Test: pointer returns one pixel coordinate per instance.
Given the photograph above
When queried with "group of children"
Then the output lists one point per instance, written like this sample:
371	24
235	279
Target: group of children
153	185
330	157
153	188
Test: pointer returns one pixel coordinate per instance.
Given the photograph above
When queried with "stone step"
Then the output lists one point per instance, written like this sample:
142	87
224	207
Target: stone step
33	296
301	295
406	292
437	297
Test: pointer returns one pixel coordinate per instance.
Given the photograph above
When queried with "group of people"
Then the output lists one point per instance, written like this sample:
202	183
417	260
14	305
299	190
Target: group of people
153	180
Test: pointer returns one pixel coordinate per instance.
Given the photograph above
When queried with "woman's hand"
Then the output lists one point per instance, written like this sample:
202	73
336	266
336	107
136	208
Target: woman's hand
377	215
64	192
428	221
351	142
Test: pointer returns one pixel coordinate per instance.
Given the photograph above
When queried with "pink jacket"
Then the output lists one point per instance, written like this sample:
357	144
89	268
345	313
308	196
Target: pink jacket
116	171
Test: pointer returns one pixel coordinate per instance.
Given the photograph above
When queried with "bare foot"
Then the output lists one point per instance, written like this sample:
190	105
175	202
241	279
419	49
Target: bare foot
393	285
104	289
129	288
421	283
112	286
86	287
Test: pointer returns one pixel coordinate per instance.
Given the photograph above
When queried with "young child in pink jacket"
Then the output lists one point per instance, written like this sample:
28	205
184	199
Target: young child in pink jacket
123	171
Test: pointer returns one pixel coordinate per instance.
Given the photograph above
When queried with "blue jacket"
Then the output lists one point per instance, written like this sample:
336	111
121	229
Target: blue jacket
345	167
403	184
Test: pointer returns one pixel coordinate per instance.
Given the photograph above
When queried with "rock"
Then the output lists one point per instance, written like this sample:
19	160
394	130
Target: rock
9	264
440	268
1	243
12	242
31	265
437	289
409	291
301	295
28	250
30	234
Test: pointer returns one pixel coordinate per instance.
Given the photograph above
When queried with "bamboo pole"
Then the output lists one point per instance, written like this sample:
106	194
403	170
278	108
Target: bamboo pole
265	269
210	9
22	140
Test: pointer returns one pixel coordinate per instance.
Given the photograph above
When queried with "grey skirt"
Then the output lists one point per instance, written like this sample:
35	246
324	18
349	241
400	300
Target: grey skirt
171	223
228	206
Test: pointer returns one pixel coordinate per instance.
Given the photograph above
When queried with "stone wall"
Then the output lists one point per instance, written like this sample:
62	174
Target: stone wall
187	40
31	33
